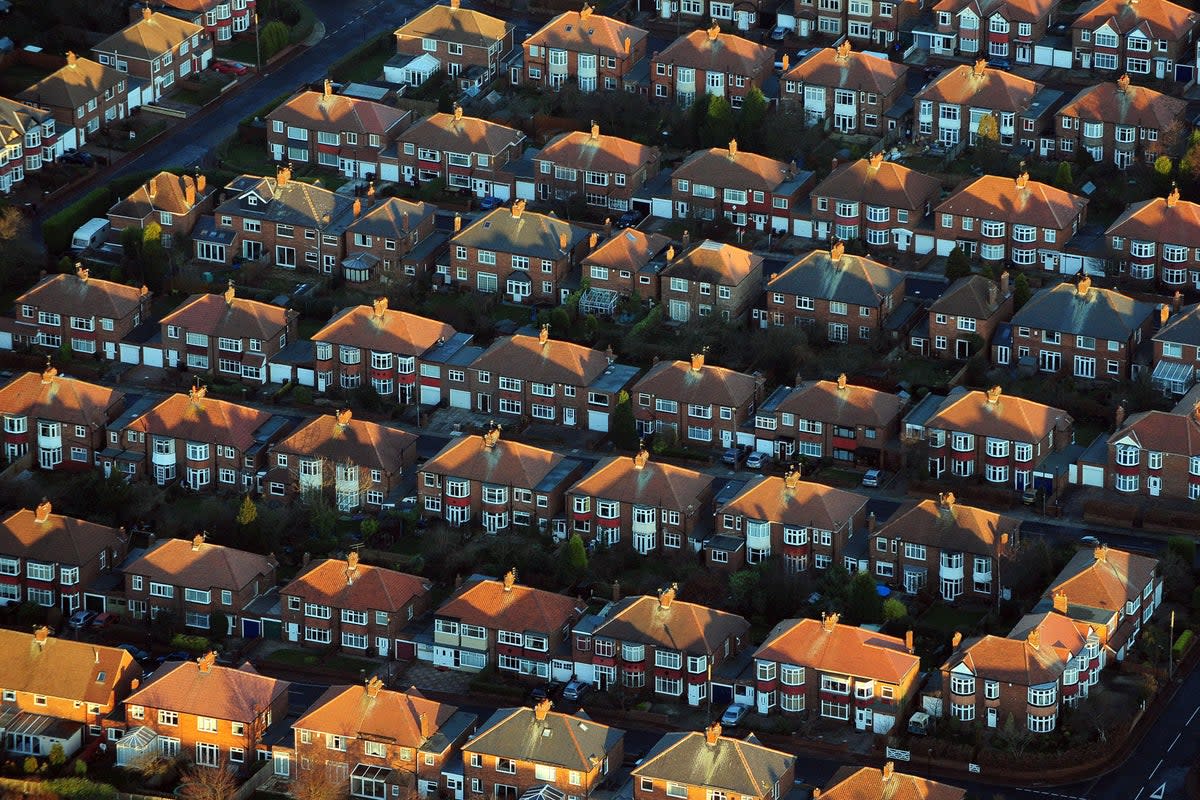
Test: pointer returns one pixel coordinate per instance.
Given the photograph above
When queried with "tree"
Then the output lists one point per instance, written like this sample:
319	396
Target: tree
893	610
321	515
1021	291
863	603
988	130
57	756
577	559
750	120
273	37
315	784
369	528
247	513
1063	178
624	426
745	590
718	128
207	783
696	115
1163	165
19	258
958	265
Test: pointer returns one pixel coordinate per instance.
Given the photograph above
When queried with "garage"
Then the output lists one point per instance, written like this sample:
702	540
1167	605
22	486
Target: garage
152	356
131	353
598	421
460	398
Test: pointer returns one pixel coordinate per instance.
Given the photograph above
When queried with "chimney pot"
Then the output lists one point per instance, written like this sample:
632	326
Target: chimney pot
1004	284
206	661
373	686
712	734
956	640
146	12
829	621
697	361
641	457
667	596
541	709
510	578
908	641
1060	602
457	222
42	513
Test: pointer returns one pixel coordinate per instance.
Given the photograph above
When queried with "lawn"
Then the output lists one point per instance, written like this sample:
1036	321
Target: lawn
304	658
366	62
843	478
951	619
242	50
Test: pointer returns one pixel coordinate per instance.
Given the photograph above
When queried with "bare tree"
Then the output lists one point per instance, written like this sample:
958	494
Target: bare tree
208	783
316	784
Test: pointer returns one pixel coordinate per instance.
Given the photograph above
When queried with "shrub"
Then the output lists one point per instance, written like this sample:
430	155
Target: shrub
1182	643
191	643
81	789
30	765
273	37
302	395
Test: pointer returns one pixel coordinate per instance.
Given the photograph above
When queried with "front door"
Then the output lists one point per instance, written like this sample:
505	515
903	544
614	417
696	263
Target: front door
962	349
1154	484
454	783
293	631
484	404
862	719
569	416
381	644
991	717
479	187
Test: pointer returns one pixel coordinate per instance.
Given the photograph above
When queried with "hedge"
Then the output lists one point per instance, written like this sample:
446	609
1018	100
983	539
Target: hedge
1182	643
57	229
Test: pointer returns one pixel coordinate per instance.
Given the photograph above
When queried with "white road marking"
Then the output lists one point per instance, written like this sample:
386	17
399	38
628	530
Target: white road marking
1173	741
1193	716
1139	794
1156	766
1158	793
1054	794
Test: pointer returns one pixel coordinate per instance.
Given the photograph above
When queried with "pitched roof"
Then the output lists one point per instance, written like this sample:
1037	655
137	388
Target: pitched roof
514	230
166	191
203	419
65	294
47	395
951	526
826	645
491	604
1012	660
851	70
289	202
151	36
736	169
394	218
705	384
1007	417
338	583
1095	312
561	740
715	262
743	767
687	627
506	462
1020	201
597	152
1125	105
973	296
238	695
462	134
384	330
658	484
200	565
1162	432
338	112
406	719
1158	19
452	23
882	183
854	280
1055	630
809	504
63	668
74	85
848	405
1104	578
1011	10
1160	219
992	89
56	538
338	440
629	249
716	51
229	316
551	361
869	783
587	32
17	118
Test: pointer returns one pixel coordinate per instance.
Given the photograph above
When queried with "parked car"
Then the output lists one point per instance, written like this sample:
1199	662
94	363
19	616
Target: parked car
1089	541
543	691
230	67
734	715
81	619
138	653
779	33
872	478
1029	496
575	690
755	460
630	218
104	619
74	156
178	655
488	203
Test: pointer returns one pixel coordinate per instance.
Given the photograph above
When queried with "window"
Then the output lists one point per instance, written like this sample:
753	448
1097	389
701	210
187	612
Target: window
167	717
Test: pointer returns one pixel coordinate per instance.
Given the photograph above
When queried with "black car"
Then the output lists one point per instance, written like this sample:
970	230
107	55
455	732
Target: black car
543	691
630	219
81	157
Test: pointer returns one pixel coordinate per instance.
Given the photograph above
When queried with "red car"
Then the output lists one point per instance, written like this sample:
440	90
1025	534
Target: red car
230	67
103	620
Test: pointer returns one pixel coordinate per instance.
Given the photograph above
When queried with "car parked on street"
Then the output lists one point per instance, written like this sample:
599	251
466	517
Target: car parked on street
872	478
81	619
734	715
230	67
575	690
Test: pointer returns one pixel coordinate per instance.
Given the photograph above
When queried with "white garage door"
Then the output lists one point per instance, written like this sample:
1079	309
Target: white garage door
431	395
598	421
460	398
1093	476
152	356
130	354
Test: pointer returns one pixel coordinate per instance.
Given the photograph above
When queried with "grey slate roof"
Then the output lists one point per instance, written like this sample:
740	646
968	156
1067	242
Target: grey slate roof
530	234
852	279
560	740
730	764
1099	313
291	203
1183	328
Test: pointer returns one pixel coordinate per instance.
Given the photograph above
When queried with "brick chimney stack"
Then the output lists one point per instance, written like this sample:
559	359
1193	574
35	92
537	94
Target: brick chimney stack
908	641
206	661
541	709
1004	284
667	596
829	621
712	733
956	640
42	513
1060	602
510	578
373	686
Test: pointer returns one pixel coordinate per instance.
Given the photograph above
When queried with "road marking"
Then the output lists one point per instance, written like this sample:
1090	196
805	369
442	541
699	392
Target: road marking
1139	794
1173	741
1055	794
1193	716
1156	766
1158	793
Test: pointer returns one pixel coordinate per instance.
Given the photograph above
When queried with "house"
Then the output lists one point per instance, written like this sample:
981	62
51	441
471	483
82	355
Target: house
592	51
59	691
606	171
711	279
875	201
213	715
1156	239
831	420
516	628
467	44
1003	439
1002	220
871	24
1075	328
696	402
950	108
935	541
659	505
658	644
1142	38
86	314
501	483
277	221
1177	350
464	152
374	740
203	442
356	607
840	671
710	62
172	202
518	749
744	188
58	422
1156	453
1121	123
51	559
227	336
995	29
82	96
158	49
844	297
382	244
627	264
850	783
689	764
28	139
345	133
360	463
963	320
222	19
844	91
524	255
809	524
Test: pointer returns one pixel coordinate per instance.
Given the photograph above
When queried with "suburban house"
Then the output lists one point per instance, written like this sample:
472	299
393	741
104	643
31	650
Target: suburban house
172	202
809	524
1158	239
376	741
851	783
86	314
963	320
59	691
1003	439
692	763
82	96
382	242
1077	329
606	171
28	139
51	559
627	264
710	62
1156	453
1141	37
843	297
1177	350
744	188
950	108
56	421
828	419
198	583
466	44
213	715
1118	122
519	749
857	675
932	544
659	645
525	256
498	483
158	49
358	608
589	50
876	201
696	402
517	629
1003	220
997	29
658	504
222	19
711	277
465	152
845	91
345	133
359	464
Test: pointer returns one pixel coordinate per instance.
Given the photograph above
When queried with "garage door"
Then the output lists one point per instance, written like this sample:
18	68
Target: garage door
131	354
431	395
1093	476
598	421
460	398
152	356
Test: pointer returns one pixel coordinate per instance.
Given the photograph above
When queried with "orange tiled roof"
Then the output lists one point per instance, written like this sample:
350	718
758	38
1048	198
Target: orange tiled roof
342	439
1162	431
829	646
384	330
716	51
1020	201
405	719
50	396
878	182
226	315
56	538
74	85
453	23
565	741
200	565
740	767
596	152
808	504
1114	104
151	36
848	405
63	668
1104	578
507	463
687	627
973	296
731	168
1005	417
462	134
1017	661
993	89
490	604
327	111
715	262
166	191
1158	19
203	419
682	382
68	294
1160	219
1012	10
361	587
237	695
951	526
629	249
869	783
858	71
659	484
584	31
551	361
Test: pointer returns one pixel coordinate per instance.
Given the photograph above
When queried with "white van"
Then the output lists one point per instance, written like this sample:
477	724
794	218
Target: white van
90	234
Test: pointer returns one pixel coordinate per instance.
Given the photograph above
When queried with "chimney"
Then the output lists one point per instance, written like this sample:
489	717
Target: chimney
829	621
1176	302
1060	602
908	641
1084	287
686	239
201	183
230	293
993	395
714	32
712	733
357	207
609	354
42	512
510	578
189	195
871	522
283	175
206	661
196	395
562	241
993	293
843	51
616	591
81	272
351	566
837	251
667	596
518	208
70	59
455	4
1004	284
697	362
1173	197
946	500
888	769
732	149
49	373
544	335
457	112
1101	553
541	708
152	188
1164	313
146	12
607	226
305	558
371	192
841	381
791	478
786	62
134	685
585	12
490	437
1123	84
198	540
1022	179
1035	638
373	686
641	457
457	222
423	722
341	420
379	307
816	793
955	640
1120	416
628	44
876	160
328	90
593	240
670	253
980	66
40	636
595	133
